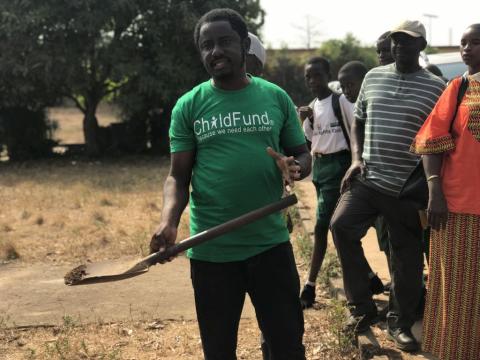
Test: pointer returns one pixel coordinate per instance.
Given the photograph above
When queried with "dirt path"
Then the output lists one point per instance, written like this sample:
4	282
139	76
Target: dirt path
35	295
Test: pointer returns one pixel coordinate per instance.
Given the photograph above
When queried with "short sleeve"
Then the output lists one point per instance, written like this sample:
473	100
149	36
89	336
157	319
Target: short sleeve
291	134
434	136
360	111
307	129
182	137
347	111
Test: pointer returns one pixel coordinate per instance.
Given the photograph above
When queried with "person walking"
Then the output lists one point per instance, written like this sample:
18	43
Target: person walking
393	103
326	130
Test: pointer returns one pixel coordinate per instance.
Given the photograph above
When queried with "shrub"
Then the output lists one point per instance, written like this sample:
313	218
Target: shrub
27	134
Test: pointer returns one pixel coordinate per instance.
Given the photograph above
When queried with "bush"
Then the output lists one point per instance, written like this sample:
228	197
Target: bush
286	71
286	67
27	134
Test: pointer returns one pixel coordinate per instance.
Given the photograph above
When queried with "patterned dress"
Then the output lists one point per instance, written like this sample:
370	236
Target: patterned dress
451	325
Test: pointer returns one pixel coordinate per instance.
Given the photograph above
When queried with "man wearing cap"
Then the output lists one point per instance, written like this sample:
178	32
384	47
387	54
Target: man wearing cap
393	103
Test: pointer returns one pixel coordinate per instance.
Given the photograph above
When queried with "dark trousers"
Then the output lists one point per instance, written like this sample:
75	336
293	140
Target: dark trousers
355	212
271	280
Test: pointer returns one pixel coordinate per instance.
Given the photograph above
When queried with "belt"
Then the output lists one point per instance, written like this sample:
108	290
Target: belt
341	152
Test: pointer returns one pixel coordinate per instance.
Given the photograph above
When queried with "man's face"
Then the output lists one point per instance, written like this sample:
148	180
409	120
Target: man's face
221	50
470	48
384	52
406	48
316	77
350	85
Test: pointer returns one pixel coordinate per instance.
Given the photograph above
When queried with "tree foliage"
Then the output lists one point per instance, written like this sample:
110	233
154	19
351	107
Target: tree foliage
286	67
341	51
89	50
286	71
25	87
169	62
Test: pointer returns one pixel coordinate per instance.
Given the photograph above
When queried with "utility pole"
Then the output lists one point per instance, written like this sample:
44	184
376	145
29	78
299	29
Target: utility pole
430	17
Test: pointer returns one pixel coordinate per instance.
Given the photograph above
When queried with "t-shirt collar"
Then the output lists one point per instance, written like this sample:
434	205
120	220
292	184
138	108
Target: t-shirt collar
251	81
405	75
475	76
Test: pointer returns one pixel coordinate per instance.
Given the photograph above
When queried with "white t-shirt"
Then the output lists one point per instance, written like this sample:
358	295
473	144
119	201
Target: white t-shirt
326	136
348	113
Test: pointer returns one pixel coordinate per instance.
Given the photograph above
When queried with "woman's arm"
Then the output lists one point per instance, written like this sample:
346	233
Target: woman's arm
437	211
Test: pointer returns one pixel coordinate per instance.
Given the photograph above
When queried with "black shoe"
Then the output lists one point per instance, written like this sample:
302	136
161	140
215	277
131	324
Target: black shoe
307	296
403	339
376	285
360	323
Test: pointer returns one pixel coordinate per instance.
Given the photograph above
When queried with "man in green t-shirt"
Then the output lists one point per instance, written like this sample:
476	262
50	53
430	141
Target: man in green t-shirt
226	135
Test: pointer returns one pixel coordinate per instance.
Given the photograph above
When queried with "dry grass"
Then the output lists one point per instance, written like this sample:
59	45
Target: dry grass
69	211
66	211
104	210
153	340
69	120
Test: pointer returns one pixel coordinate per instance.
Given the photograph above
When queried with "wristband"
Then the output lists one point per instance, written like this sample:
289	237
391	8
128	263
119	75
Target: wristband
431	177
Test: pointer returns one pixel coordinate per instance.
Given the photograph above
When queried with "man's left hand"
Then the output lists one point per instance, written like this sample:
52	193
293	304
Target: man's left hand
290	170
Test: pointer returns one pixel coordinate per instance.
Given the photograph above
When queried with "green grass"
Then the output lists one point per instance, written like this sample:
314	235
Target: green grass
331	268
343	340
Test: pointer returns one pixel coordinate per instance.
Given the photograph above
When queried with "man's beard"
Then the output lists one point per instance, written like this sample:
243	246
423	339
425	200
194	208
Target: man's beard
233	73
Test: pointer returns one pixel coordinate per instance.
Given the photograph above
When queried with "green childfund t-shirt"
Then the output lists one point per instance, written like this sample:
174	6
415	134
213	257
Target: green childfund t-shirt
232	173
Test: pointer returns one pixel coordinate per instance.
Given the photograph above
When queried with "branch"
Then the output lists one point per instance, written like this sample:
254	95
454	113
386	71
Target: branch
77	103
115	88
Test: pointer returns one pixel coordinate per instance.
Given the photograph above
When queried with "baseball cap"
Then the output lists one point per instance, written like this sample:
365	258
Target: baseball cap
257	49
410	27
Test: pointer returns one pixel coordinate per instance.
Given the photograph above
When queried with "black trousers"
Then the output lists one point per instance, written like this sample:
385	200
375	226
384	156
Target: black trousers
271	280
355	212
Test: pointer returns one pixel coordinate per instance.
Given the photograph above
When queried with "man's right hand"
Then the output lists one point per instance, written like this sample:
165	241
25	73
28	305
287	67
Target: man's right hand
357	167
305	112
163	238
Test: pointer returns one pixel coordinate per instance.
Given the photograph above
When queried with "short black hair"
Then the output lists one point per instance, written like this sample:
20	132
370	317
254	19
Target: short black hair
237	22
383	37
355	68
475	27
320	61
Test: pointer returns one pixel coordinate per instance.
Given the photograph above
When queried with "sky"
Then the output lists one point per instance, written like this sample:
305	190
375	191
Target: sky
286	21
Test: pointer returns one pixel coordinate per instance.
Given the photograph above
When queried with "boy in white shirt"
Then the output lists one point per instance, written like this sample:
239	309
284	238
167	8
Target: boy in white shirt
326	123
326	132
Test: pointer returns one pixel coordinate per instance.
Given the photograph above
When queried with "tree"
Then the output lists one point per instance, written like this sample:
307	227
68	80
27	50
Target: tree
23	66
169	63
347	49
89	50
286	71
286	67
309	31
25	88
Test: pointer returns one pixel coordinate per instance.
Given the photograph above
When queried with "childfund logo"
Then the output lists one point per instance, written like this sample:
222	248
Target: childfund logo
234	119
231	123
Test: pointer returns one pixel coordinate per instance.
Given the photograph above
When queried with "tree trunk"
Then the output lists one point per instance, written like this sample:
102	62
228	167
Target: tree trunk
159	131
90	131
